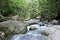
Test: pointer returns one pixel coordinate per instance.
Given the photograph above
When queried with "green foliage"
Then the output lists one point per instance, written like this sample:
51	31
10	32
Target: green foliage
29	8
48	9
5	9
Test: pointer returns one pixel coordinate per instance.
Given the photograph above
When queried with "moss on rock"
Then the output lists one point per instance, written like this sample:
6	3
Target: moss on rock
13	27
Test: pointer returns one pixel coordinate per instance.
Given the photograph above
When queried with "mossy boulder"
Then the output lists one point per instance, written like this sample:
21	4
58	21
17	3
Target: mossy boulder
13	27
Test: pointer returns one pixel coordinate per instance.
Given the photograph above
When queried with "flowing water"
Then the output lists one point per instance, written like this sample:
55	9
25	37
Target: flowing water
30	35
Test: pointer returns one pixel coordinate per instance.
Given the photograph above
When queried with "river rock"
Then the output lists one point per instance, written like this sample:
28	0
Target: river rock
16	18
55	22
36	26
32	21
11	26
54	36
33	27
48	30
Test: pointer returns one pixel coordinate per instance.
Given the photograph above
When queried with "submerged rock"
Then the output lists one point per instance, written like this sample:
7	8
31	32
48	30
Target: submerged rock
29	37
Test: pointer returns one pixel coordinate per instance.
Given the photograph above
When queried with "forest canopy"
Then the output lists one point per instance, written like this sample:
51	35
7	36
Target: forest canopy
29	8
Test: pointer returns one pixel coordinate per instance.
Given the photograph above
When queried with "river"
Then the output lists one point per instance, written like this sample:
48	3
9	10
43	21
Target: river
30	35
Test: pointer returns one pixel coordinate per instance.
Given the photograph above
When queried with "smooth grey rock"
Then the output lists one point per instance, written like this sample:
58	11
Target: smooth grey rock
54	36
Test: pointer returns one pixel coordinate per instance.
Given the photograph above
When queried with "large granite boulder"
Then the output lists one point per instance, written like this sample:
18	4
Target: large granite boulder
13	27
54	36
48	30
